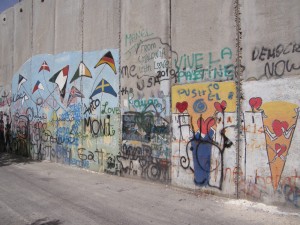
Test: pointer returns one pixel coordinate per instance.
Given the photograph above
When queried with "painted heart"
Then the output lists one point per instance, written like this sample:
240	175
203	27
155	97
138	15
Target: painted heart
280	149
279	127
220	107
255	103
181	106
205	124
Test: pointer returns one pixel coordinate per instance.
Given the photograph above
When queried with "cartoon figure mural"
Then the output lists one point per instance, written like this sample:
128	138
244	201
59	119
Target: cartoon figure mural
272	131
279	124
271	136
204	114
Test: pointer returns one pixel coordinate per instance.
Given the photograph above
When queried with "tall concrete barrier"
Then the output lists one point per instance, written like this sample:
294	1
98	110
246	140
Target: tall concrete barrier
197	94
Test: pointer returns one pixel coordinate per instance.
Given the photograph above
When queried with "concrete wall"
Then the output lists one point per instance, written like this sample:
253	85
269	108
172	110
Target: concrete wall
202	95
6	51
270	56
145	101
43	27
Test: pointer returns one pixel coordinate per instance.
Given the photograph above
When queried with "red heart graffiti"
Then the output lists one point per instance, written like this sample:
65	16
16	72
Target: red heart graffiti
205	124
255	103
279	127
220	107
280	149
181	106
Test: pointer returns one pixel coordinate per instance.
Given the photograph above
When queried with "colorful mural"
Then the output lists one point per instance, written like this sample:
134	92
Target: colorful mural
204	119
271	137
145	120
65	108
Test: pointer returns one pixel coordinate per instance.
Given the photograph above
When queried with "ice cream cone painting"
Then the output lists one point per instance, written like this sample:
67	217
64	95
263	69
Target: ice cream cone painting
279	125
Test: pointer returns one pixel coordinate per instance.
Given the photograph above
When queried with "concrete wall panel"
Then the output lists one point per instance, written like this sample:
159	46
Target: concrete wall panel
271	121
271	34
145	99
169	113
6	57
101	24
144	40
68	26
22	33
6	46
43	27
201	30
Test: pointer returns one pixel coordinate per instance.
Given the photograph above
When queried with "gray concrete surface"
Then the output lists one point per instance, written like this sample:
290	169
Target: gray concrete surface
197	32
203	27
68	26
269	24
43	27
6	45
145	25
36	193
22	33
101	25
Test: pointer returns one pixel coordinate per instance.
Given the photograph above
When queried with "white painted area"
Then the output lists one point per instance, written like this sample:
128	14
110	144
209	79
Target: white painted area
256	151
260	206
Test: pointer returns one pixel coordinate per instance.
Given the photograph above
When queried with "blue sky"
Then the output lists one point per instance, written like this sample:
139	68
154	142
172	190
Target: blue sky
5	4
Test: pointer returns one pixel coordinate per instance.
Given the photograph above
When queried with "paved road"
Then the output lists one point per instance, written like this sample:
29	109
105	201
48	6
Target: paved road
43	193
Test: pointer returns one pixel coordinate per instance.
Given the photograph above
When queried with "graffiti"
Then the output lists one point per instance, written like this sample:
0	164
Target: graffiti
144	126
137	126
17	97
265	53
138	160
201	146
257	187
276	63
128	73
90	156
109	110
163	73
276	122
135	36
145	117
205	128
101	127
143	103
278	69
5	99
193	67
53	120
94	104
133	39
292	194
150	65
66	108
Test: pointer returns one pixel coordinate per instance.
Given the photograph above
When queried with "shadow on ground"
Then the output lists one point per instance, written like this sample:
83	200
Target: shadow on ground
7	159
45	221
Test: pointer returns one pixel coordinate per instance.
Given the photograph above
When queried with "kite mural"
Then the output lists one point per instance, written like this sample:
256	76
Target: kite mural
37	86
60	78
44	66
81	71
107	59
21	81
61	114
104	87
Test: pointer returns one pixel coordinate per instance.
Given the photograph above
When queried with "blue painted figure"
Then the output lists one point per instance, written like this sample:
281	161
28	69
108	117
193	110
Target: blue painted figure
201	148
